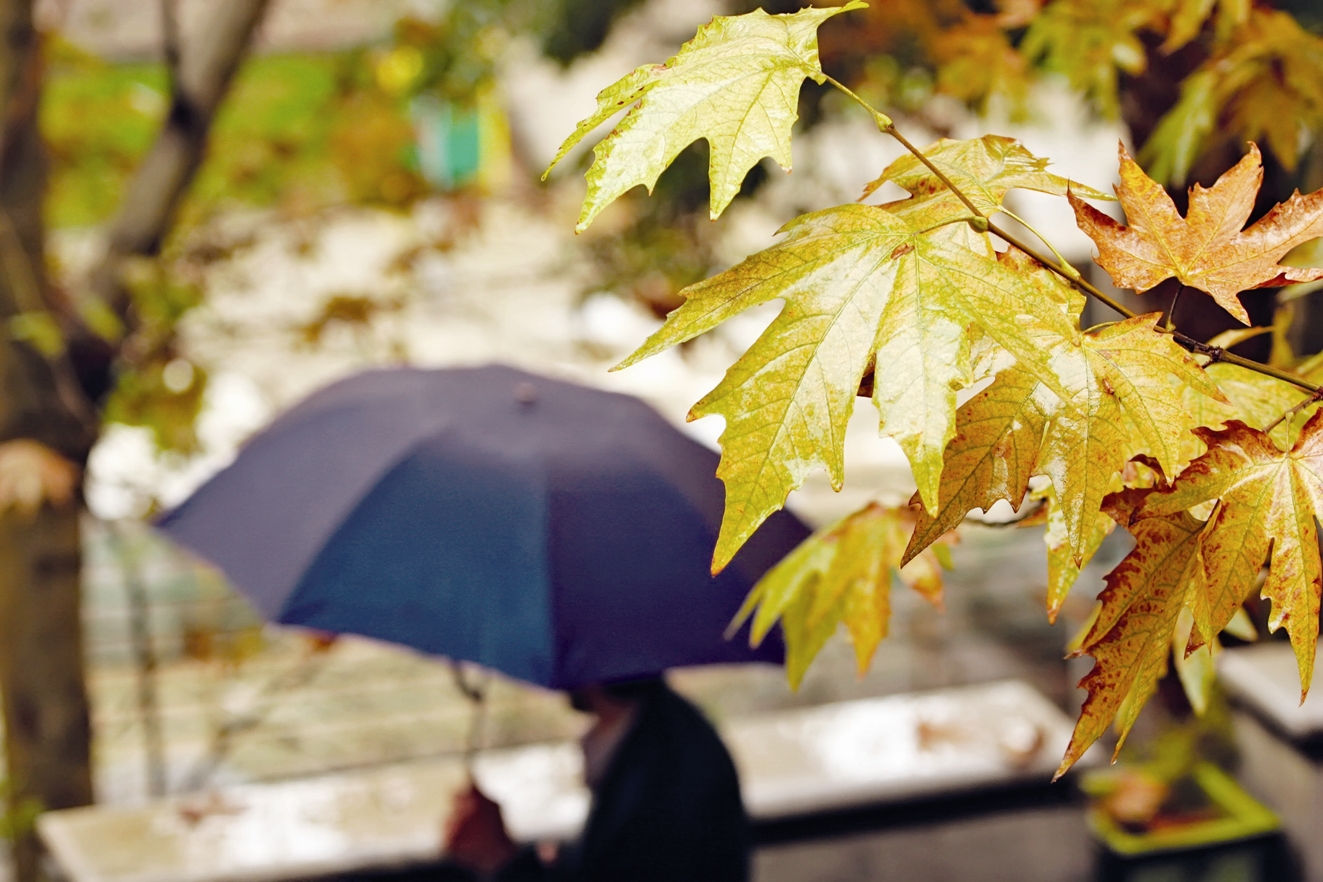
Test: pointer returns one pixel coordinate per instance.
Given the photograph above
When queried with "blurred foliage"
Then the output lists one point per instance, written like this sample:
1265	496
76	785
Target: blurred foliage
1154	783
580	26
299	132
157	387
1188	77
19	814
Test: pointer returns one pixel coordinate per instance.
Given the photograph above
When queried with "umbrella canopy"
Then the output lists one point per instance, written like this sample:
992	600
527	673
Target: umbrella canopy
557	533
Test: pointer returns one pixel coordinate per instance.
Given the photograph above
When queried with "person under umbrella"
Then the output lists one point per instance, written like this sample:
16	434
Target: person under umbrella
666	800
557	533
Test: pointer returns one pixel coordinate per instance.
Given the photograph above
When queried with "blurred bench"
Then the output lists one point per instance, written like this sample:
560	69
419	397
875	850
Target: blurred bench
946	784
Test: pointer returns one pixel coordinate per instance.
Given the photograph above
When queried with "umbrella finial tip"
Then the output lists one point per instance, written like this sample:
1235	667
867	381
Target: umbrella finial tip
525	393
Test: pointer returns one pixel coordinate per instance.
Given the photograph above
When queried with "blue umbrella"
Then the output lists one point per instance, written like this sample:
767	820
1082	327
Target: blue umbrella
554	532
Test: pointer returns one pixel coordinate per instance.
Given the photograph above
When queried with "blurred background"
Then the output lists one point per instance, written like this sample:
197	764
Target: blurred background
235	204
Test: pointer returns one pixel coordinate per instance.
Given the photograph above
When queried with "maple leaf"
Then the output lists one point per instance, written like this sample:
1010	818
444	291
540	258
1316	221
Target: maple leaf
1257	400
992	455
1268	501
860	284
984	169
1119	401
736	84
1062	566
841	574
1132	633
1207	249
1122	402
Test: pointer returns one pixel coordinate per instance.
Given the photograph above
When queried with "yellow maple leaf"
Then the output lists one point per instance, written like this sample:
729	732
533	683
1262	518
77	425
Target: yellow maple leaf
1062	567
860	284
736	84
984	169
1207	249
1267	503
1120	401
991	456
842	574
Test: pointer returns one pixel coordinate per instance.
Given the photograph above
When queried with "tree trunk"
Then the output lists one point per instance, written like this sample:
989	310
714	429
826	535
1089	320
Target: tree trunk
47	731
46	399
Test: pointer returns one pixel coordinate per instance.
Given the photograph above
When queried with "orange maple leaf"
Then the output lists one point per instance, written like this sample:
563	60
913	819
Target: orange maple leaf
1132	635
1207	249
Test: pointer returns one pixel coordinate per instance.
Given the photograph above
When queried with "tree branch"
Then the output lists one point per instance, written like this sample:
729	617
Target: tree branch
153	196
170	45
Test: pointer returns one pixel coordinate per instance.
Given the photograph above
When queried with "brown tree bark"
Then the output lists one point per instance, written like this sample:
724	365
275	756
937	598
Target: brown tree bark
47	730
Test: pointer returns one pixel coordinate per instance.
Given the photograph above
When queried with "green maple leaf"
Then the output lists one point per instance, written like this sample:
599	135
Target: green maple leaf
735	84
984	169
860	285
1268	500
841	574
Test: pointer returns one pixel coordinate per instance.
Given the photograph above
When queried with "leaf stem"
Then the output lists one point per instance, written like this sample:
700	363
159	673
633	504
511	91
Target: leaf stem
1317	396
1066	269
1170	322
887	126
1217	353
977	221
883	121
1077	280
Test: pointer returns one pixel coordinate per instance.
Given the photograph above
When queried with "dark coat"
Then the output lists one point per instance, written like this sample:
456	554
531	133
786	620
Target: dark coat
668	808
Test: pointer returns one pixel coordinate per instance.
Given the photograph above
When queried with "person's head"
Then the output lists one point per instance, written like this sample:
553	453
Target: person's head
600	698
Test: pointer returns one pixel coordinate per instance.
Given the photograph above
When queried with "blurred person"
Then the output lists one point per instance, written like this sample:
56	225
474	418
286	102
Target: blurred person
665	800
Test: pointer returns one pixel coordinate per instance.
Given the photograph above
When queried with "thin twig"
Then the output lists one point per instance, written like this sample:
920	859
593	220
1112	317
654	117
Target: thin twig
26	285
932	167
1078	281
18	268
